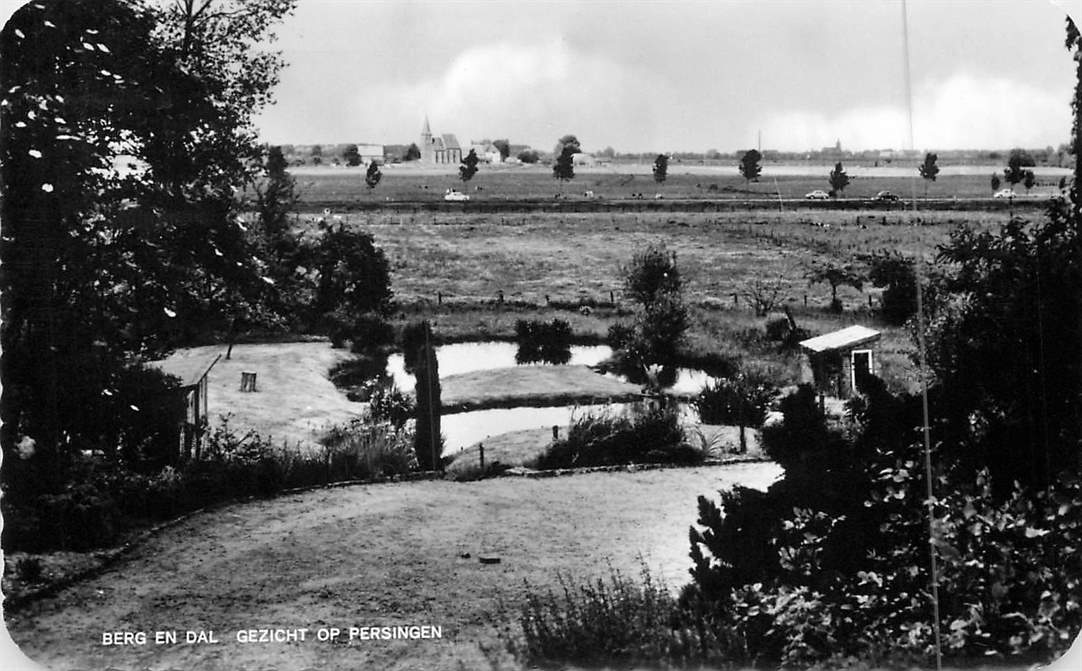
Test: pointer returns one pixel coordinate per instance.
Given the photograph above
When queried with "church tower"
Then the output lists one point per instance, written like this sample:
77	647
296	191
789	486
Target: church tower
426	143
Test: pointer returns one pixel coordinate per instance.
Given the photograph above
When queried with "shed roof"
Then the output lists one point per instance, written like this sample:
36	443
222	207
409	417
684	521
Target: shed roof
190	369
846	338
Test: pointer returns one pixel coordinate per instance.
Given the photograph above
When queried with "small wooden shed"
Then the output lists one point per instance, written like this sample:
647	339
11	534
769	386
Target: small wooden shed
193	372
838	360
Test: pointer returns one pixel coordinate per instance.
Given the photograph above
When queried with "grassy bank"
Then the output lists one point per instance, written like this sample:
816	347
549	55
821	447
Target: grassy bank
532	386
522	448
294	401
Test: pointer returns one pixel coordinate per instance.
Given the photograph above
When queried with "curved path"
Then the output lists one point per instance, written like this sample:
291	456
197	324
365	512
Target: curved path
375	555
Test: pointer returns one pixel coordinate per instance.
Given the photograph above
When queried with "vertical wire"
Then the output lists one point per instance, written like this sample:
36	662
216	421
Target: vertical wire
919	266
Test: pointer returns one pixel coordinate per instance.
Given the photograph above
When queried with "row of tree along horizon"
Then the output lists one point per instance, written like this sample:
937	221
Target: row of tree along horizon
348	154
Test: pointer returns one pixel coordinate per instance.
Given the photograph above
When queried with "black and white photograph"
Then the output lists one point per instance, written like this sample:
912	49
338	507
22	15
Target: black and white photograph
462	335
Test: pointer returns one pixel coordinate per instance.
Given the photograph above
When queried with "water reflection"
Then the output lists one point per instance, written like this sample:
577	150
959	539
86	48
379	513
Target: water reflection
468	428
468	357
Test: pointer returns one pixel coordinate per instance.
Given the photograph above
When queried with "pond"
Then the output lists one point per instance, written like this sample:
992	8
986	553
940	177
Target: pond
468	357
463	429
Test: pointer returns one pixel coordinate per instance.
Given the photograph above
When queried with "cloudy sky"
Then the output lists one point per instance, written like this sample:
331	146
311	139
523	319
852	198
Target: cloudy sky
678	74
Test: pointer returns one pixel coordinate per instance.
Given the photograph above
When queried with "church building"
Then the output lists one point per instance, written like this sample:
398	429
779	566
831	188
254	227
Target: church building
439	148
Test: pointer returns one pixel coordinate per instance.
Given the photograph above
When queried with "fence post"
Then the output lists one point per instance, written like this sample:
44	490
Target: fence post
481	448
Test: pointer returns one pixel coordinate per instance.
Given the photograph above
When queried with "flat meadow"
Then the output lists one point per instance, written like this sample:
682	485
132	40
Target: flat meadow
330	186
475	275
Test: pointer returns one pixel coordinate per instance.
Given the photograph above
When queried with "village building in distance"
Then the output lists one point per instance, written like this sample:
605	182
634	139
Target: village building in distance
439	149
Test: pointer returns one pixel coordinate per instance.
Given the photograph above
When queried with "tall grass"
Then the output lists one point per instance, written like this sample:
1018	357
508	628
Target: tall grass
615	622
648	434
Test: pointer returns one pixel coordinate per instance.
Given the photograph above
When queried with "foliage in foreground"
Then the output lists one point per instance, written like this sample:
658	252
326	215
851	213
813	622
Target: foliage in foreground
620	621
106	499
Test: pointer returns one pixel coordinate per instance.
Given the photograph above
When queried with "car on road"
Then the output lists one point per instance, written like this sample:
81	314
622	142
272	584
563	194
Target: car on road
818	194
452	194
886	196
1004	193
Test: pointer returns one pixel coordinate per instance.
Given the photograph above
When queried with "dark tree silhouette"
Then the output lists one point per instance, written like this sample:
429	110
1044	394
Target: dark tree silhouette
373	175
468	169
351	155
564	167
838	179
661	168
750	166
928	170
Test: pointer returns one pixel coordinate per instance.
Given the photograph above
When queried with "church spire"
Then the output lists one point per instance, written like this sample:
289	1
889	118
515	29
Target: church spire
426	130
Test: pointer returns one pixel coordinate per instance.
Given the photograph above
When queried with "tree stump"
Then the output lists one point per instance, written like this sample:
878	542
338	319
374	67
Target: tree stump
247	381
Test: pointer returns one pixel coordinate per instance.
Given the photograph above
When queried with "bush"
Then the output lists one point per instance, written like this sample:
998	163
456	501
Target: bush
651	274
370	332
831	561
648	435
29	569
741	400
617	622
359	371
362	451
620	336
387	403
897	276
543	342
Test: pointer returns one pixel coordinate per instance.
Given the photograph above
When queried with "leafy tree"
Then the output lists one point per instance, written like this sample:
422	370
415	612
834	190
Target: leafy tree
278	245
504	147
564	167
468	169
995	182
353	274
1029	180
373	175
661	168
897	276
528	156
652	279
836	275
750	165
413	153
317	152
928	170
351	155
1018	160
150	257
651	273
567	142
838	179
1004	341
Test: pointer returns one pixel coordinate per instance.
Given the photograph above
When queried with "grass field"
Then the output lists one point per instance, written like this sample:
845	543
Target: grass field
344	186
369	556
295	401
453	268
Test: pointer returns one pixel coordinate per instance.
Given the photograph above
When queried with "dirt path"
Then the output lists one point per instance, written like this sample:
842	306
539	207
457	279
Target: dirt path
371	555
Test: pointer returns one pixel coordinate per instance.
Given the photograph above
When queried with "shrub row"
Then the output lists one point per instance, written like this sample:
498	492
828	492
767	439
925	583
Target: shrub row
106	499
